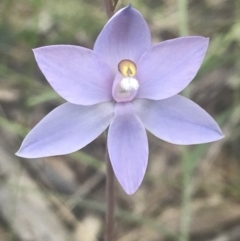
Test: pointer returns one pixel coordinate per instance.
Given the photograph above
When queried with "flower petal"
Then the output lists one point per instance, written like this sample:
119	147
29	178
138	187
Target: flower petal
167	68
66	129
128	147
77	74
125	36
178	120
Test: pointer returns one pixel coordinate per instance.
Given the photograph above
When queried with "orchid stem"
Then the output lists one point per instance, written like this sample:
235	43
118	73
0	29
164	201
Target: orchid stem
109	231
110	197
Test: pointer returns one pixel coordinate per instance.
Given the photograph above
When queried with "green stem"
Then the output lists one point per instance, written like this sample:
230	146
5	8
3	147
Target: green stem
184	29
183	17
186	201
189	162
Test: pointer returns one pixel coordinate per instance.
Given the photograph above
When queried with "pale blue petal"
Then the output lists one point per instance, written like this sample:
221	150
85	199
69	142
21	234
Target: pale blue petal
178	120
77	74
128	147
66	129
125	36
167	68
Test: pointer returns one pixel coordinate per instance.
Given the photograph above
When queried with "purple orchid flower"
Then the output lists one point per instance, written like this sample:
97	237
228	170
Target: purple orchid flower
127	84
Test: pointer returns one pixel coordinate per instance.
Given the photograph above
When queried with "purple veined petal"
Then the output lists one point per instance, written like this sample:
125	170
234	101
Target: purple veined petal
168	67
77	74
125	36
128	147
66	129
178	120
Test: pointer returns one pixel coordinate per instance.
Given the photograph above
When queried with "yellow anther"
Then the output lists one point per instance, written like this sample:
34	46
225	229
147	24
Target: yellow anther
127	68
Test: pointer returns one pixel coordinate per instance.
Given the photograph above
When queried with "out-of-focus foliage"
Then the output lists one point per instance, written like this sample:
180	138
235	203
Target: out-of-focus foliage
187	192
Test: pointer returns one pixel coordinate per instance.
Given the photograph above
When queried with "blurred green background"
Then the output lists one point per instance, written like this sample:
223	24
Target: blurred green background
189	193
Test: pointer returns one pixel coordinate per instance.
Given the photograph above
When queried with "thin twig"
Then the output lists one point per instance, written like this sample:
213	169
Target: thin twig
85	189
108	7
115	5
